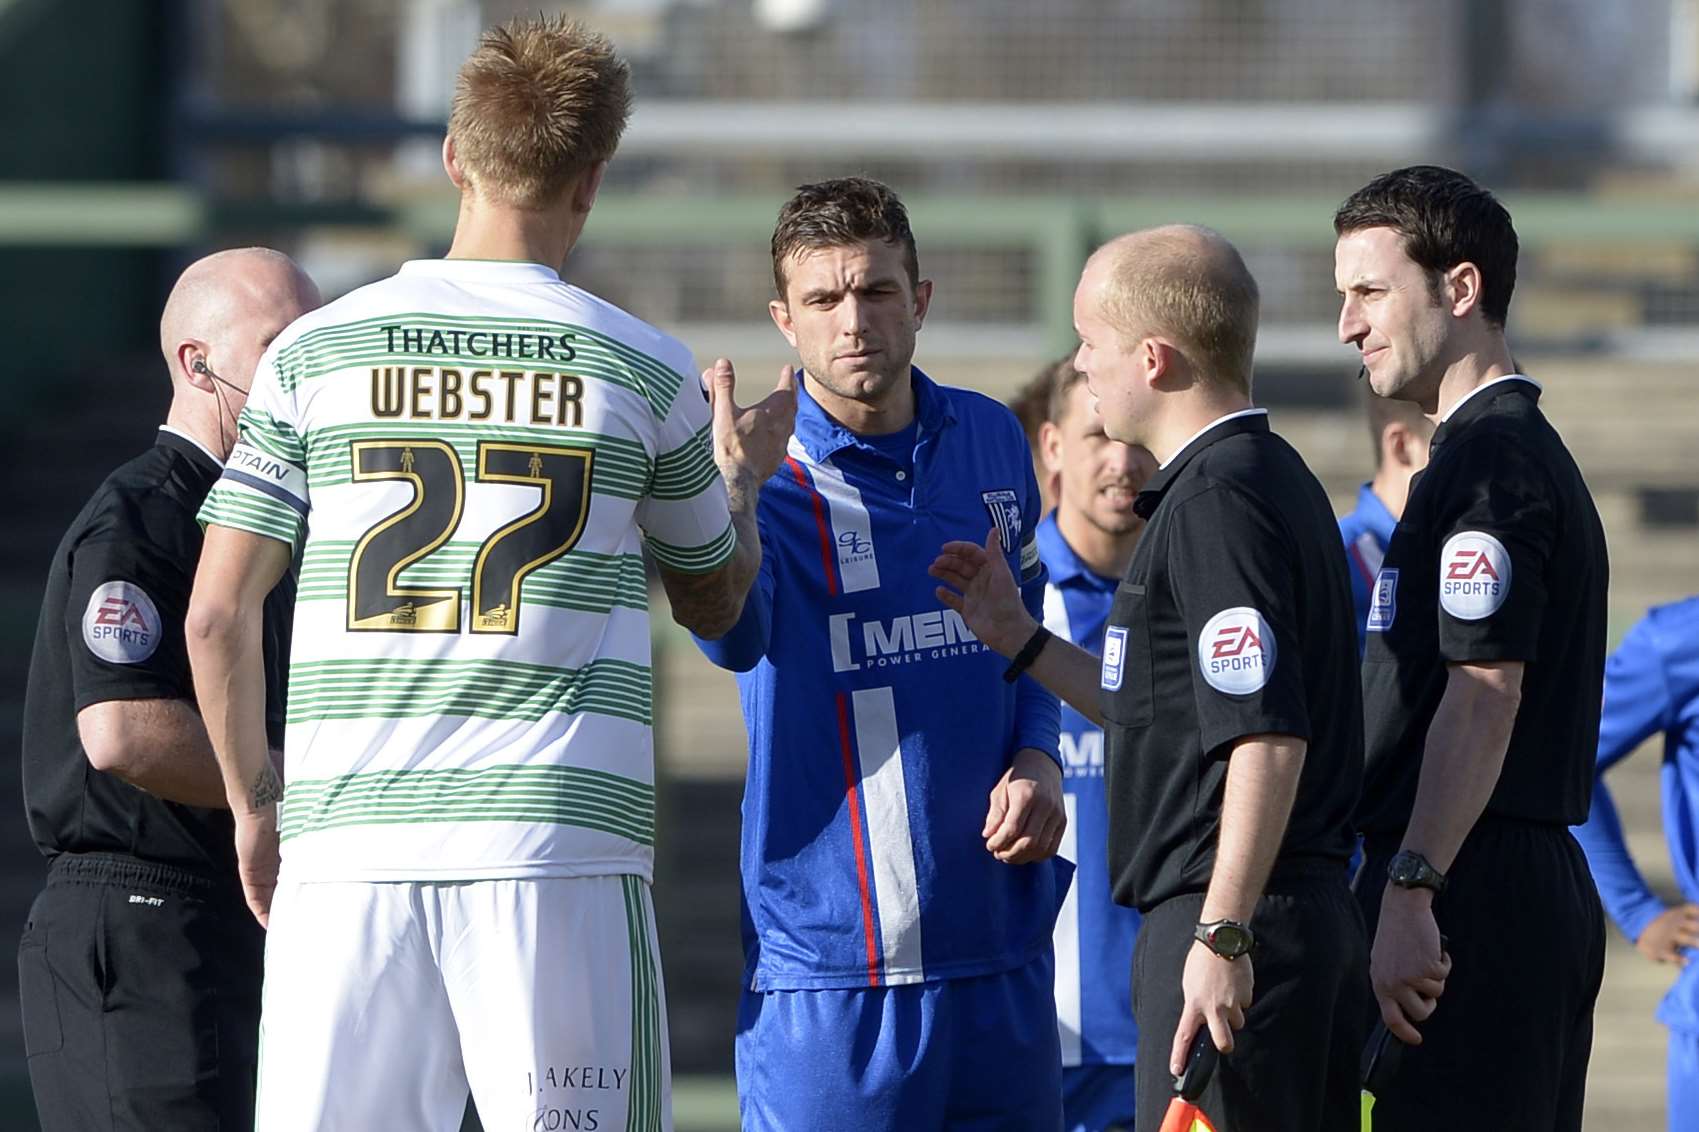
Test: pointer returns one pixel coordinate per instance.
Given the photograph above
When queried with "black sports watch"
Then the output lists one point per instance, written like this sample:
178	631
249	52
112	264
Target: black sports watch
1227	938
1411	870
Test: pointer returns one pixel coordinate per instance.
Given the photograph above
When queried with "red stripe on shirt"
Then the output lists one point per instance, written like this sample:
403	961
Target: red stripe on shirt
1362	567
827	561
850	779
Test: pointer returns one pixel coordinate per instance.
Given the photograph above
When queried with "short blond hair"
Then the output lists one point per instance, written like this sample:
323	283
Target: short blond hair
538	103
1189	284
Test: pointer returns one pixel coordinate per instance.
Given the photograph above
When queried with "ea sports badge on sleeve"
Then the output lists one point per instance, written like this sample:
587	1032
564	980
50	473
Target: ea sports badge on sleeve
1383	605
1236	651
1114	657
121	624
1474	575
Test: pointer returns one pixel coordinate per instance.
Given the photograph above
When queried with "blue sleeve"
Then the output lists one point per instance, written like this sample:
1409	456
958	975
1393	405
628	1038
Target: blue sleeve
1360	585
1636	705
743	647
1038	714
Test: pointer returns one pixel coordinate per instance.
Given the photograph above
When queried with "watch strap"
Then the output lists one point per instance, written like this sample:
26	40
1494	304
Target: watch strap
1029	653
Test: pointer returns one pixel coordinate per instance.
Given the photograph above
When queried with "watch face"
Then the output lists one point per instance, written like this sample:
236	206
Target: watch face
1408	870
1229	941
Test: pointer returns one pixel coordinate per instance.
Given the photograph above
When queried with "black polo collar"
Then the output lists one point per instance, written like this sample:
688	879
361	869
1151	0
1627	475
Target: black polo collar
1478	403
1246	420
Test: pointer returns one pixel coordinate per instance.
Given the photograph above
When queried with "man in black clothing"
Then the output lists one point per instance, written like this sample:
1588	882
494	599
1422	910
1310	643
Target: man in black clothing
139	969
1228	695
1481	682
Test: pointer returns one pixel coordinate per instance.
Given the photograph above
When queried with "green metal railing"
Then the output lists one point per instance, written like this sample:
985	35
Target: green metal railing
1058	231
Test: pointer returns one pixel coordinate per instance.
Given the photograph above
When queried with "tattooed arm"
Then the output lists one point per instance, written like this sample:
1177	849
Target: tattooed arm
710	604
749	445
225	632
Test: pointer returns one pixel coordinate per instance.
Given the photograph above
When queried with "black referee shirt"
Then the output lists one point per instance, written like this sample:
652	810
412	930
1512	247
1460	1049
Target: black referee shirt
1235	619
1499	556
112	629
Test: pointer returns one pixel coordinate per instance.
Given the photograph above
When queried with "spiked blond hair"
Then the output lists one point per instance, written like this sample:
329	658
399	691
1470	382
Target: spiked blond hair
539	102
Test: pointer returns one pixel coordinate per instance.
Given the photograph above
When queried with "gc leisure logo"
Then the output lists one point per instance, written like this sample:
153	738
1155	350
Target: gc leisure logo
121	623
1236	651
1474	575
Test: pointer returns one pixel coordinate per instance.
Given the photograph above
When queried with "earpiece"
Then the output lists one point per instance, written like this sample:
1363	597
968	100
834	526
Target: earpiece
199	366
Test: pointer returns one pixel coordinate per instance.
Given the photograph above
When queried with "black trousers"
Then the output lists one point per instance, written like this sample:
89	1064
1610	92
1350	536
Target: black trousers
1508	1044
1294	1065
140	987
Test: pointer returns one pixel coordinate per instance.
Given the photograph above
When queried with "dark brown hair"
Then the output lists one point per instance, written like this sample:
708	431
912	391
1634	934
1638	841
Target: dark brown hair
1445	219
833	214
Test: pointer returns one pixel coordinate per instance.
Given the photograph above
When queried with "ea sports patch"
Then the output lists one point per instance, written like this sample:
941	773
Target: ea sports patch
1236	651
121	623
1114	657
1383	605
1474	575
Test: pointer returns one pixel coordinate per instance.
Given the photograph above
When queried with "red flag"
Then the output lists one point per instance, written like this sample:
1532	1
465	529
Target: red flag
1184	1116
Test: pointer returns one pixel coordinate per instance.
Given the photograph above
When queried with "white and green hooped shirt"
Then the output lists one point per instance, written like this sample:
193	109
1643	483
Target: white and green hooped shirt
468	457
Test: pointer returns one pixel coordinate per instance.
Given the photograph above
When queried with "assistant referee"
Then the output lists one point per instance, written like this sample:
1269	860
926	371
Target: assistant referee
1481	682
139	969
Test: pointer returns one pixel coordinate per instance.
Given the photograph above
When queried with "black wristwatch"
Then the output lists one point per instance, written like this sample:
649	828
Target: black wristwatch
1411	870
1227	938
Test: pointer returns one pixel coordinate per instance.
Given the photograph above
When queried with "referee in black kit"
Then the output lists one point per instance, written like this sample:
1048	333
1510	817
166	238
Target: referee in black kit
1228	693
1481	682
139	970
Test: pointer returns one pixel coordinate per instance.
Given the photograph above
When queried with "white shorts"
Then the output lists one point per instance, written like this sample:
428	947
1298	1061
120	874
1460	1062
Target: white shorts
385	1002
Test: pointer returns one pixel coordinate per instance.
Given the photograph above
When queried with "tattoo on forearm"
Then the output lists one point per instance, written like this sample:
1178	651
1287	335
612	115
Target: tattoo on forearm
708	604
267	788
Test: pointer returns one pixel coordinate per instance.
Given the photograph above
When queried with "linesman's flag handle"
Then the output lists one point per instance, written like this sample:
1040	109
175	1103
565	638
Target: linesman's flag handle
1183	1114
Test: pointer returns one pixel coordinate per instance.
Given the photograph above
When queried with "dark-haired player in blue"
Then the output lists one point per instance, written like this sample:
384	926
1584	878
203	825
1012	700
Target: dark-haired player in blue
903	796
1651	688
1086	545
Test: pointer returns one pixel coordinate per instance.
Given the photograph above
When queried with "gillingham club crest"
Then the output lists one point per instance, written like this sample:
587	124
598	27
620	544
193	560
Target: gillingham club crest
1236	651
1005	511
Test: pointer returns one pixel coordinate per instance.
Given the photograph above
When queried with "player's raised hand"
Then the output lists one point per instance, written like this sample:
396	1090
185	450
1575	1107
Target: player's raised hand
979	586
749	444
1668	937
1027	816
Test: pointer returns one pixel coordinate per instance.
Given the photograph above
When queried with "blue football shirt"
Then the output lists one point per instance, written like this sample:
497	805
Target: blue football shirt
1094	935
1366	530
878	724
1652	688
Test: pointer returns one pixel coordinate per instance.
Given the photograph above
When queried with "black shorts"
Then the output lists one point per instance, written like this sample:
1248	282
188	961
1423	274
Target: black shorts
1294	1065
140	988
1507	1046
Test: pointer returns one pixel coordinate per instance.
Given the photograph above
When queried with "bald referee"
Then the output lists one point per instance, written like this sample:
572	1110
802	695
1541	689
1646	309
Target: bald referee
139	968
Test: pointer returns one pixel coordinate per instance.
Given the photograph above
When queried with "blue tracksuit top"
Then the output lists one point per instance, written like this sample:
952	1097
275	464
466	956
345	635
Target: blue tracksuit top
1094	935
1652	686
878	725
1366	531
